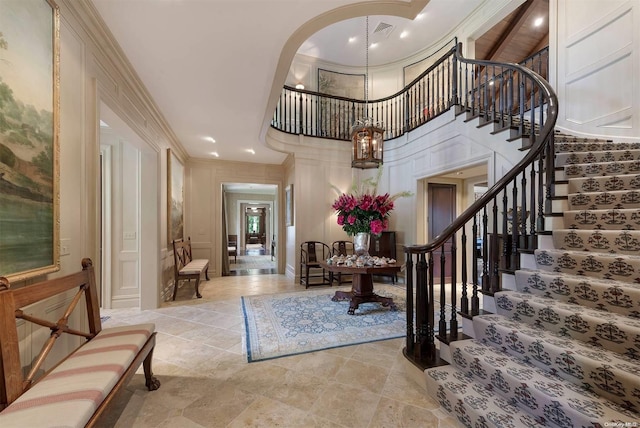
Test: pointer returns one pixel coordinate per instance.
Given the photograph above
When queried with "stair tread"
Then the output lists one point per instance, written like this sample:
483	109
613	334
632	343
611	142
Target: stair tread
573	360
601	168
524	383
473	404
609	330
618	241
572	146
603	219
620	267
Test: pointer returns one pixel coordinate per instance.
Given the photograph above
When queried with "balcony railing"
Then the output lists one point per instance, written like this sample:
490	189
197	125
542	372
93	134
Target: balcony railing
433	92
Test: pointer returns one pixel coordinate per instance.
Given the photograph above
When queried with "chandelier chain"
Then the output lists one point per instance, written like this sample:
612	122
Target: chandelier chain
366	70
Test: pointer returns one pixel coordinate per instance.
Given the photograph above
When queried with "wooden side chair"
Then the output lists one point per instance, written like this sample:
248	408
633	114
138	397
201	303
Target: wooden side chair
311	252
341	248
232	247
185	267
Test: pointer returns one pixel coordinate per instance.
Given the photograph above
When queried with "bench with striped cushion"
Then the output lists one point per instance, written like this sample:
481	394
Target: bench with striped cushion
75	392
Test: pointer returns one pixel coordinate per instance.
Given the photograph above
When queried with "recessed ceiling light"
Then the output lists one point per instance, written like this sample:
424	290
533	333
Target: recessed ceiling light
404	34
538	22
352	39
373	45
210	139
253	152
215	154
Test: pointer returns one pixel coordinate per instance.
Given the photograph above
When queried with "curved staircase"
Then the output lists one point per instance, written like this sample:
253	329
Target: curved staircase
563	348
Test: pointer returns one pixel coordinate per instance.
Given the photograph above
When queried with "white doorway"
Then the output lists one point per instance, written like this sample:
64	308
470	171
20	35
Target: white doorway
129	216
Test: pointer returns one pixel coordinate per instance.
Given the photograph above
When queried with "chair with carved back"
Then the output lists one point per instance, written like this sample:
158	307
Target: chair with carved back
342	248
311	253
232	247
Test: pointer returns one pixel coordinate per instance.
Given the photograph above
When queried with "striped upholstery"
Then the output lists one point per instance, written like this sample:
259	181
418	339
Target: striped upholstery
195	266
70	394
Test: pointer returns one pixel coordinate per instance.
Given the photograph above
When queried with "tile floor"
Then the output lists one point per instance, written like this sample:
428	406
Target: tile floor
206	381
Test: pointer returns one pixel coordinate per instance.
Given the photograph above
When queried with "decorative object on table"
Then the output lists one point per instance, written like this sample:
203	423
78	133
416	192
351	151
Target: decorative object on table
367	135
364	212
278	325
29	146
361	242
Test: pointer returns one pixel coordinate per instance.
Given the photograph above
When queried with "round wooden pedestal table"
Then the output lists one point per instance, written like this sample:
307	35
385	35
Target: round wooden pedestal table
362	284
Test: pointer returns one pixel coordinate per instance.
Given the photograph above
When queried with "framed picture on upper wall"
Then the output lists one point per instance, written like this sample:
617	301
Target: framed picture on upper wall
288	205
175	198
29	126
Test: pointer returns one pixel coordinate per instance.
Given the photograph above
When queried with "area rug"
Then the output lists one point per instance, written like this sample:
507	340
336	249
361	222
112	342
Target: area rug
253	262
279	325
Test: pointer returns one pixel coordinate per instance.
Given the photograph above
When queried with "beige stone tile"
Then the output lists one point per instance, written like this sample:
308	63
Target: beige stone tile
299	390
377	353
343	351
174	326
148	414
259	377
392	413
268	413
185	353
321	364
181	422
346	405
399	386
217	319
179	392
366	376
220	407
213	336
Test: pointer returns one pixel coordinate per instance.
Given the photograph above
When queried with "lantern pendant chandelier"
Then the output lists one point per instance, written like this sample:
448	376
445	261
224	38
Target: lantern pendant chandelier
366	136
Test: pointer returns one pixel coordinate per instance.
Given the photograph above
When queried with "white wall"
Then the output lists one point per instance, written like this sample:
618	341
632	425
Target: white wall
597	44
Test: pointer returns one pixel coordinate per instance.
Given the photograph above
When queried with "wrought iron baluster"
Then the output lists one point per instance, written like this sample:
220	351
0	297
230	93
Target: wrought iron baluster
442	324
464	300
514	227
410	339
453	324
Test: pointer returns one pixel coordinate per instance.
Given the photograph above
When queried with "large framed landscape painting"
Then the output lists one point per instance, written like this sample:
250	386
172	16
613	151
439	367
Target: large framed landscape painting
175	197
334	115
29	122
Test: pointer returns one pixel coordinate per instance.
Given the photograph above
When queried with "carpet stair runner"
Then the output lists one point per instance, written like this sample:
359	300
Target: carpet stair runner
563	350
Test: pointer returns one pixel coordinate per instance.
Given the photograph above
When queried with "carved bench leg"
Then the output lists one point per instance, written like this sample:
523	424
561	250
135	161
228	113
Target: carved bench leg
198	295
206	272
151	382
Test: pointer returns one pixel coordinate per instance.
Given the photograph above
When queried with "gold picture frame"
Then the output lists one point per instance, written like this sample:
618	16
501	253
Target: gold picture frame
29	146
175	198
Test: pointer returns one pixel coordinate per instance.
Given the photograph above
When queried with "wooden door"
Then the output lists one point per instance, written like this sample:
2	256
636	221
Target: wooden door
441	200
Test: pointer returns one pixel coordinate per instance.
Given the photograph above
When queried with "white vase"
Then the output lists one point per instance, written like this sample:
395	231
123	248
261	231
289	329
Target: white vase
361	243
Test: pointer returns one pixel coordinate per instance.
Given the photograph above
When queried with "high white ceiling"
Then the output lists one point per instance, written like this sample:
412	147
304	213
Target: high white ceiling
212	66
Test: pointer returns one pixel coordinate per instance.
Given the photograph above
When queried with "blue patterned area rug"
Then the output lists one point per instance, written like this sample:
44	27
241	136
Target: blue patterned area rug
279	325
